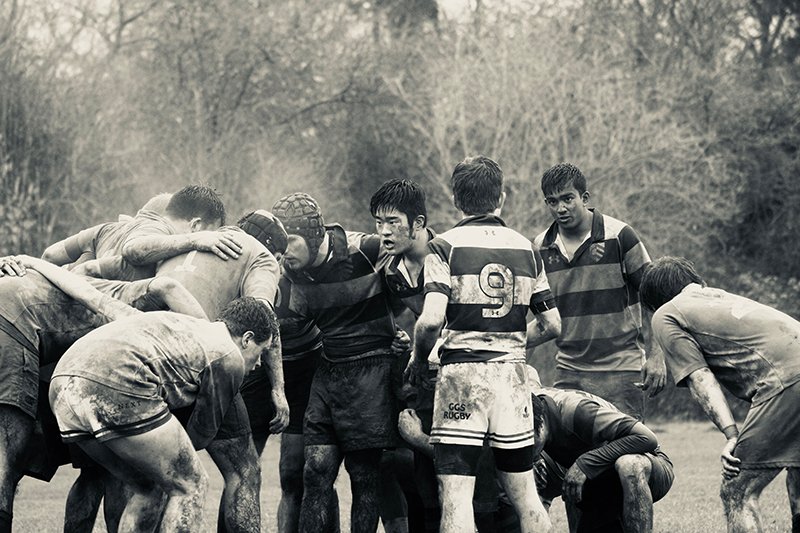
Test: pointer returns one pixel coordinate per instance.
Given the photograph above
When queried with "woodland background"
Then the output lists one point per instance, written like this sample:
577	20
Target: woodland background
683	114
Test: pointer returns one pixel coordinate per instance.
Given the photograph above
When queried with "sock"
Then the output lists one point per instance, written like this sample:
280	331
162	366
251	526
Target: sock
5	521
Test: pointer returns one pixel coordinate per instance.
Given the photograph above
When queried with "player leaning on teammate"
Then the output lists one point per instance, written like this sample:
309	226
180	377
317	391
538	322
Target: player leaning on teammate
711	338
594	264
481	278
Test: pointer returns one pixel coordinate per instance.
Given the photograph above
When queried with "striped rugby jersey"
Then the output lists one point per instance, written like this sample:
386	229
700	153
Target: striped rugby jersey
491	276
597	293
401	292
299	335
346	297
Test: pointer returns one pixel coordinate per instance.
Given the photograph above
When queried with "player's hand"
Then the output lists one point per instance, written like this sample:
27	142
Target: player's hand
224	244
11	266
416	373
572	487
654	375
281	419
401	343
729	462
409	425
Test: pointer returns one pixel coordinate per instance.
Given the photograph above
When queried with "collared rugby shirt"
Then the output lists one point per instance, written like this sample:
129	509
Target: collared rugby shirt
346	297
300	335
492	276
402	293
597	293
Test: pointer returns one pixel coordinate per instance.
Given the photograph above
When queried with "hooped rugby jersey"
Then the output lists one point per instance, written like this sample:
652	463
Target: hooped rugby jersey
492	276
346	297
597	293
405	295
300	335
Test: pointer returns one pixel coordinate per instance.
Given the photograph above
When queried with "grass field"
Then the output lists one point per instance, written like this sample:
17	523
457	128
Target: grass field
692	506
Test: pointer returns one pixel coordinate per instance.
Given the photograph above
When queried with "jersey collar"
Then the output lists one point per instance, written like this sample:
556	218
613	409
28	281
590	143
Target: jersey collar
481	220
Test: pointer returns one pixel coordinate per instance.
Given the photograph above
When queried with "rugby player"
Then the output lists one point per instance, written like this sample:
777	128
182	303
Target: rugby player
335	280
37	323
113	390
480	280
710	338
594	264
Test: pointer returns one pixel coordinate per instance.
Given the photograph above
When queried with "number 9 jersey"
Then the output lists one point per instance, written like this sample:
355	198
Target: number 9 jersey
491	275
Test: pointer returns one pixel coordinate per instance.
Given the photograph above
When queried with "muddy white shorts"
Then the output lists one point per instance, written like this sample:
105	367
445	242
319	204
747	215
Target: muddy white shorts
481	400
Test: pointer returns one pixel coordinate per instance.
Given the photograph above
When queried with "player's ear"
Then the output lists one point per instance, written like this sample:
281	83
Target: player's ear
196	224
247	338
585	197
502	201
418	223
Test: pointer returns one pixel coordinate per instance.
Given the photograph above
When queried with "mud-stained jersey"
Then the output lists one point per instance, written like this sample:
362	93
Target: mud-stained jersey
492	276
46	317
586	429
752	349
216	282
299	334
177	357
405	293
346	297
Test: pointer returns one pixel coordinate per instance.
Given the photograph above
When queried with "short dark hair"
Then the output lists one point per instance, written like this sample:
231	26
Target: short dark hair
664	279
249	314
403	195
197	201
560	177
477	184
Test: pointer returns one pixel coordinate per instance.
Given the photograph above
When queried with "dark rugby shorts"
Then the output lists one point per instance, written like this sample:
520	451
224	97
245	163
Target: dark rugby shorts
353	405
19	375
770	434
297	377
235	423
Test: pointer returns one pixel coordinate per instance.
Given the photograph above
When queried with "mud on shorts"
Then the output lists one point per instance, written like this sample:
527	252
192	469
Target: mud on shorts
616	387
602	499
483	399
19	375
257	392
86	409
770	434
353	405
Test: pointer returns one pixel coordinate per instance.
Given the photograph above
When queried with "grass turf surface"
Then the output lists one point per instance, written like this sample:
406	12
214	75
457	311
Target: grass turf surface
692	506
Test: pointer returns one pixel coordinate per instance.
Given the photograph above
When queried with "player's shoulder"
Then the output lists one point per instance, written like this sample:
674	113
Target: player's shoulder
614	227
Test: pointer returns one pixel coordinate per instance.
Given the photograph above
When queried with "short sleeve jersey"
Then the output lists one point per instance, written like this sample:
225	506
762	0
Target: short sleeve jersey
491	276
158	354
299	334
597	293
403	294
752	349
215	282
346	297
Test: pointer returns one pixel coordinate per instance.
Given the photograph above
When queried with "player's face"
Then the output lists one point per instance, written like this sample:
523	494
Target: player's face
253	351
568	207
394	230
297	254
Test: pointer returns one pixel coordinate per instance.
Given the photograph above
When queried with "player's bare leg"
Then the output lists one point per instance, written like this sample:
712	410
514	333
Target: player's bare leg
238	462
793	489
637	507
291	475
319	473
364	469
115	498
521	490
164	456
455	497
83	500
16	429
740	496
393	504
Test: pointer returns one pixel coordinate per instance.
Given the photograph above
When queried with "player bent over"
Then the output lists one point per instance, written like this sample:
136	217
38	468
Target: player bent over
480	280
604	462
113	390
711	338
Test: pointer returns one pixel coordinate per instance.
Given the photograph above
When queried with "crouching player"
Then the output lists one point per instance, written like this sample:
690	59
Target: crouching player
112	392
602	461
711	337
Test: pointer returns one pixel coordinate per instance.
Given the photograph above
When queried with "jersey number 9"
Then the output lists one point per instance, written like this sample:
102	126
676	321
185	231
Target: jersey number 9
497	282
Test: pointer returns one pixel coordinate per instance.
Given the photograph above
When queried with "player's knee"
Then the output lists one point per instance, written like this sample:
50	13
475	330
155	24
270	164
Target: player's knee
319	470
633	470
732	494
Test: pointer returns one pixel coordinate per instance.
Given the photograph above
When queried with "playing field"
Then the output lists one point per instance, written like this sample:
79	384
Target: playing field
692	506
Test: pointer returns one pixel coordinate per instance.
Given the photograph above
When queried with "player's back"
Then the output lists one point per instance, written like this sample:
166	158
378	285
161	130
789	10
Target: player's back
215	282
492	273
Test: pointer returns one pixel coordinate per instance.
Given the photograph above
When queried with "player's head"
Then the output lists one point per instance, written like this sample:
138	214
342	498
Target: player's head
564	188
302	218
265	227
253	324
399	210
539	422
157	204
664	279
477	184
195	208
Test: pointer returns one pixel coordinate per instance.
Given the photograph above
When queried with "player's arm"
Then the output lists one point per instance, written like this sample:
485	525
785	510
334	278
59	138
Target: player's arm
219	384
654	372
176	297
272	360
410	427
547	320
79	289
73	247
706	391
148	249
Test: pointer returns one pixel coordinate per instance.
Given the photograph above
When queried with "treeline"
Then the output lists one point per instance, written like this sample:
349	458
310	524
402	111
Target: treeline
684	114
